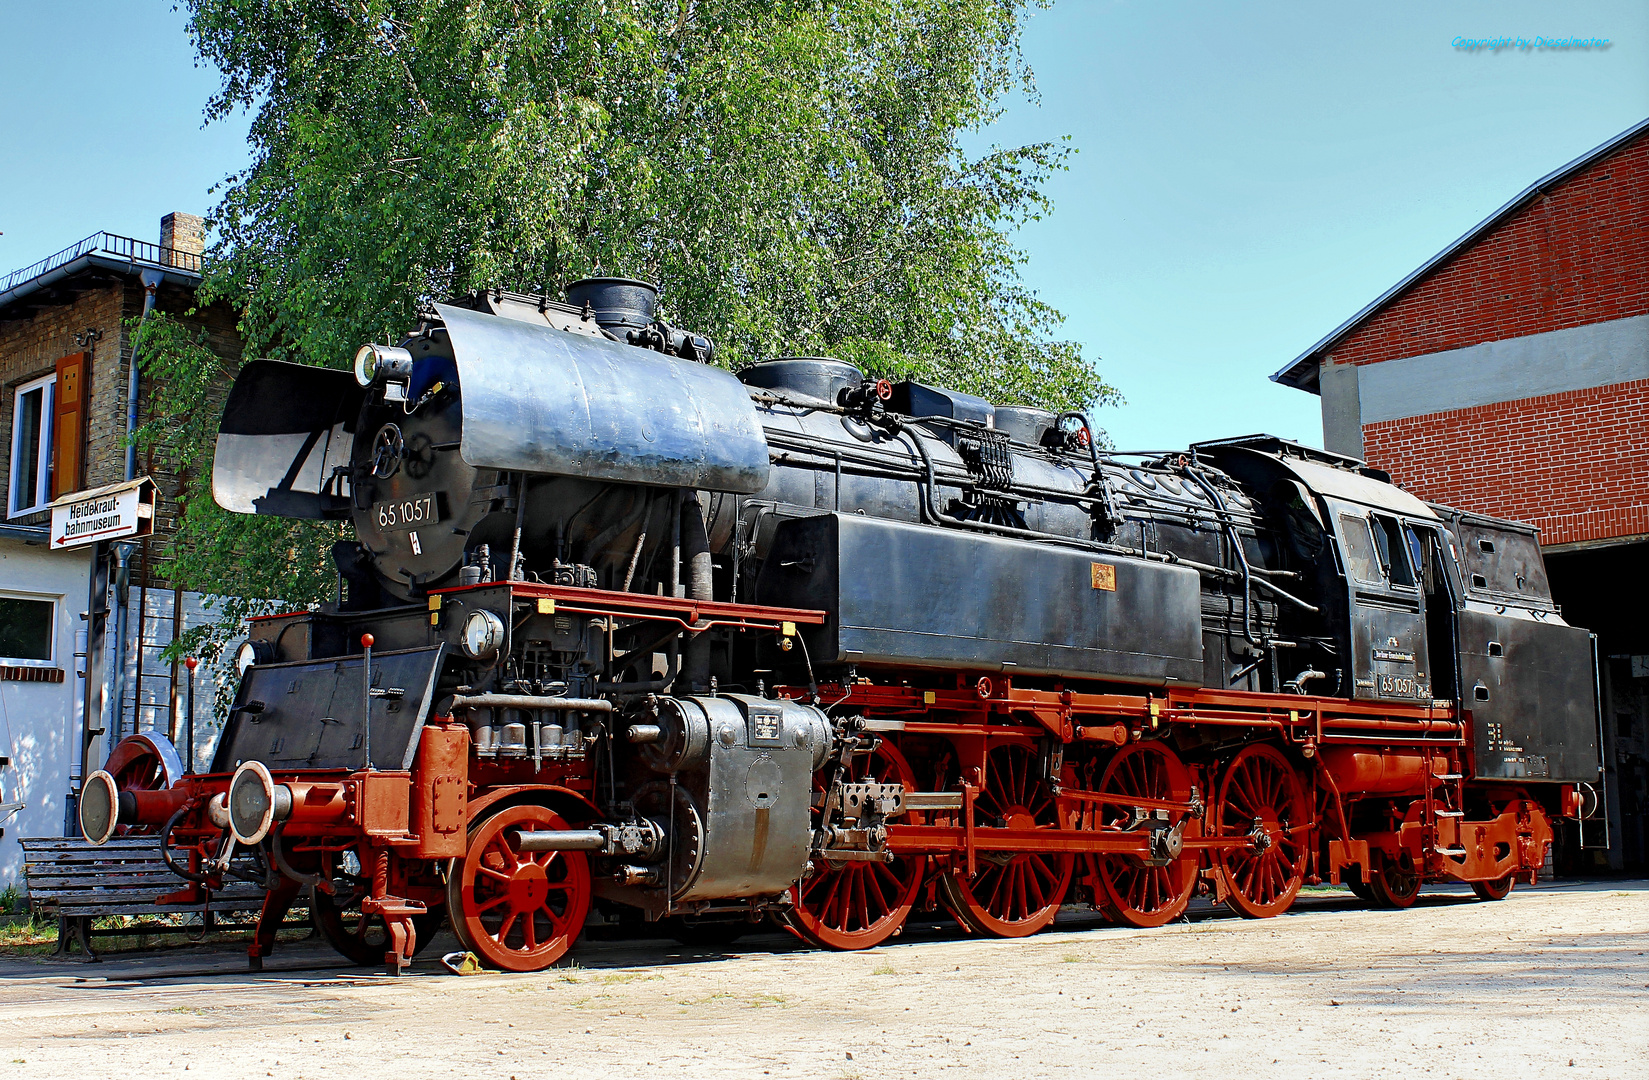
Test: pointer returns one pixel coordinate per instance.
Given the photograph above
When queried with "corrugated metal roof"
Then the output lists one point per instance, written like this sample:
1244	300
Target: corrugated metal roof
1301	373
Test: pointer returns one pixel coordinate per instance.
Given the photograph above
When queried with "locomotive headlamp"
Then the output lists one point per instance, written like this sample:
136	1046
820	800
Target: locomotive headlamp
250	653
483	634
382	362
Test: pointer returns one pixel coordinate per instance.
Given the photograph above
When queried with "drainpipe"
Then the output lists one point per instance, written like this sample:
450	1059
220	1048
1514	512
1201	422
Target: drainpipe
151	284
122	568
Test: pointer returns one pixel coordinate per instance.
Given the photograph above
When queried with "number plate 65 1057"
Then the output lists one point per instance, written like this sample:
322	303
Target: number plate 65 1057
413	512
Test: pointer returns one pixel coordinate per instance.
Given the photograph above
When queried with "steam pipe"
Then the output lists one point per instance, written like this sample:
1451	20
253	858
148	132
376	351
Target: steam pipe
648	686
1093	443
520	516
313	881
635	557
676	586
166	850
531	701
696	549
561	840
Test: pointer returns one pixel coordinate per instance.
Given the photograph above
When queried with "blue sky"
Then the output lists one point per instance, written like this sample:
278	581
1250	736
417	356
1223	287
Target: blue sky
1247	177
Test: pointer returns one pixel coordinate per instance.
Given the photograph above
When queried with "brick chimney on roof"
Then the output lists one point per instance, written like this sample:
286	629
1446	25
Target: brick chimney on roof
183	239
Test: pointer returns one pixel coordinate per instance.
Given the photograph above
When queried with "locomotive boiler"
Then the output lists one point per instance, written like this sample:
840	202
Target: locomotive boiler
618	630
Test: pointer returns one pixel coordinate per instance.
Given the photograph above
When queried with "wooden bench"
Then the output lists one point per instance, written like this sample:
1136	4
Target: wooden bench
75	882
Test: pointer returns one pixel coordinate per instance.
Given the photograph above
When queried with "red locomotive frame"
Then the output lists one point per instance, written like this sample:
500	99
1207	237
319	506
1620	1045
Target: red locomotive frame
1253	822
1016	798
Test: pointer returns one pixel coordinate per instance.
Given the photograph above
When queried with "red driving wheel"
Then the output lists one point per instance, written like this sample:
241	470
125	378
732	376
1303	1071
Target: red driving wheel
1130	892
855	905
518	910
1261	799
1012	895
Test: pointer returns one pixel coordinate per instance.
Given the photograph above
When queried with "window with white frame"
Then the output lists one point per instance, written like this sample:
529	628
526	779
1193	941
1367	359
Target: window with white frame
31	446
27	629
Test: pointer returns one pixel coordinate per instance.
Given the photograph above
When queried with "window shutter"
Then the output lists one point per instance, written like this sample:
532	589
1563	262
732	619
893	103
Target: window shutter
69	430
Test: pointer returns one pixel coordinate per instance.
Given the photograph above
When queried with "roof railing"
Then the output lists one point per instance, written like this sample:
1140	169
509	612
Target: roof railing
103	243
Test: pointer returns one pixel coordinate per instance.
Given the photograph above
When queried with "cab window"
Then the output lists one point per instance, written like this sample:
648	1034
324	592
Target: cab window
1393	550
1361	561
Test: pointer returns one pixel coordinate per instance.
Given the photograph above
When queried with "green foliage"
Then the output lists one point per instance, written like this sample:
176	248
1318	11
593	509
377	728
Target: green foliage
789	169
244	560
246	565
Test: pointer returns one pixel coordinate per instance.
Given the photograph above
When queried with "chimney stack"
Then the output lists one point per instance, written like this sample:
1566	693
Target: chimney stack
183	240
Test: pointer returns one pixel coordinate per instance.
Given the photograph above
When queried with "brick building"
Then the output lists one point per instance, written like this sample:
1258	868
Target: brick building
66	344
1510	375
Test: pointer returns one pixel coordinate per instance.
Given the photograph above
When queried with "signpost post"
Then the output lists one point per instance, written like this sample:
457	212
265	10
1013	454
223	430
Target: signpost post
111	512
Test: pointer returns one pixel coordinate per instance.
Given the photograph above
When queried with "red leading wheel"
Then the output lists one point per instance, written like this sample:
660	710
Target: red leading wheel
518	910
361	938
1261	799
1012	895
855	905
1493	890
1132	893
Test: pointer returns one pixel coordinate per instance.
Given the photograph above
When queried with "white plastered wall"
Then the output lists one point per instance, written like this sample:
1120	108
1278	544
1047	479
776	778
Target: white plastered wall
40	721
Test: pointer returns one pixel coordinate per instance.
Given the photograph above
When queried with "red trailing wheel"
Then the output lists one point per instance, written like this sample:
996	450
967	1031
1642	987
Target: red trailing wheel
1131	893
1011	895
517	910
1353	880
1261	798
1493	890
1395	882
854	905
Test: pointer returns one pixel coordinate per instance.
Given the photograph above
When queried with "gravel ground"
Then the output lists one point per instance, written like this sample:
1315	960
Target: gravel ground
1552	982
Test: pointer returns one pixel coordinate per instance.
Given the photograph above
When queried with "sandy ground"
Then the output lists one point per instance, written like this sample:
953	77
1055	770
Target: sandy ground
1552	982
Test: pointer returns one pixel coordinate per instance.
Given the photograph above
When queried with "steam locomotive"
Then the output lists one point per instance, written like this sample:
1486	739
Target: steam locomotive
620	631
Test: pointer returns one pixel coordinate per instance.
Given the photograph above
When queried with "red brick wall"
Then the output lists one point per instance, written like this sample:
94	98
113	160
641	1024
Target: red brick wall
30	344
1575	464
1575	256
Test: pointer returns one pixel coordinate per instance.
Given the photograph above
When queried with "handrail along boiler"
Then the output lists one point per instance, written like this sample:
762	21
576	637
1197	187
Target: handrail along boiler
622	630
